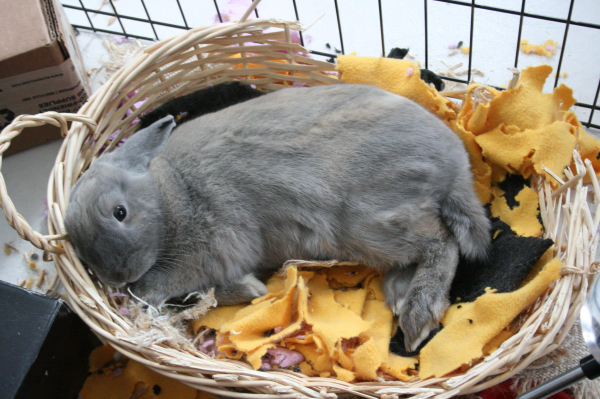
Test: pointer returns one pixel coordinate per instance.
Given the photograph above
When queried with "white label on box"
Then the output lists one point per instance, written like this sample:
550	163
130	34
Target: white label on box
50	89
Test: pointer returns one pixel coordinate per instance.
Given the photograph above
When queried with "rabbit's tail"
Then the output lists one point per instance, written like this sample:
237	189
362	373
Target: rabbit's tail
466	218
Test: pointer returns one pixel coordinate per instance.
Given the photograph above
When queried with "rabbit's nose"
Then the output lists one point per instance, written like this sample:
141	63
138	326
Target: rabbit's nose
117	280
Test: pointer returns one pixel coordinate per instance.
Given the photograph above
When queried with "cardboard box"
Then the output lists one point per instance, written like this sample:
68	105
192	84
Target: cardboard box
40	66
44	346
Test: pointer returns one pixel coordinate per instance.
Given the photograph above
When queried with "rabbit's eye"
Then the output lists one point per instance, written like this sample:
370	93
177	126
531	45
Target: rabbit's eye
120	213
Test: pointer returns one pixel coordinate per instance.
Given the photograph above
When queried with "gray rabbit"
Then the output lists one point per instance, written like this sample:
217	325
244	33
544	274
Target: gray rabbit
347	172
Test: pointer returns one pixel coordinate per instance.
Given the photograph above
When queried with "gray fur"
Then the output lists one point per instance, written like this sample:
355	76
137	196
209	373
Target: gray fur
346	172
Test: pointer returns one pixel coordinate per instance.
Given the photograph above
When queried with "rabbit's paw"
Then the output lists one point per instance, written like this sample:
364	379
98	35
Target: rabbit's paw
418	314
254	287
248	288
396	284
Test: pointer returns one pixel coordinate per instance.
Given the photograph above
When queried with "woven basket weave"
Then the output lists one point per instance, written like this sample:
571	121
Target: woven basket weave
270	60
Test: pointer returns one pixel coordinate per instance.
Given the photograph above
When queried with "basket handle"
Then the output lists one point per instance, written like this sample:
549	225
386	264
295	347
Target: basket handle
15	220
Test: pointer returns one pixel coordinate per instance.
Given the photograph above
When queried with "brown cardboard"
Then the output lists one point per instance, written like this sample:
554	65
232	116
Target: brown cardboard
40	66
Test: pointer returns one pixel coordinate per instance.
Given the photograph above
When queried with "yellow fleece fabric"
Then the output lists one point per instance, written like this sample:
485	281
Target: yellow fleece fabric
336	341
481	170
100	357
401	77
462	340
135	378
522	219
521	129
248	327
343	331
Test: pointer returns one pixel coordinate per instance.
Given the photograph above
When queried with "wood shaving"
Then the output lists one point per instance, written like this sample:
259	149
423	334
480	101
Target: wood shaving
40	278
482	94
450	85
119	55
515	78
206	302
111	20
166	326
8	247
474	71
91	72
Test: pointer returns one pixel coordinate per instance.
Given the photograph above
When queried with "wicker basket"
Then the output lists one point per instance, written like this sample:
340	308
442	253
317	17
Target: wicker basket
269	60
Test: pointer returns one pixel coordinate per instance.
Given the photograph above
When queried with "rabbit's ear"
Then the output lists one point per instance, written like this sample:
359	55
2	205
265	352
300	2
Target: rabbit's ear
142	147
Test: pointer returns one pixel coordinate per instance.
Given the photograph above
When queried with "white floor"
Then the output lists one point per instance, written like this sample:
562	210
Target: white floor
26	173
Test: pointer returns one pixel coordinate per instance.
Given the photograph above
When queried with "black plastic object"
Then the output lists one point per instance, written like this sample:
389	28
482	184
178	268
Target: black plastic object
588	367
44	346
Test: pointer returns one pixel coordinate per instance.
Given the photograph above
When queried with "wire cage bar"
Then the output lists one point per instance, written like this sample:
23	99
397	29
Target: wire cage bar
568	22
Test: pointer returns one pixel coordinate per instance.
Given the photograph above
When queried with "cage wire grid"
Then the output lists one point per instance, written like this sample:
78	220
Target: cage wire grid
473	6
